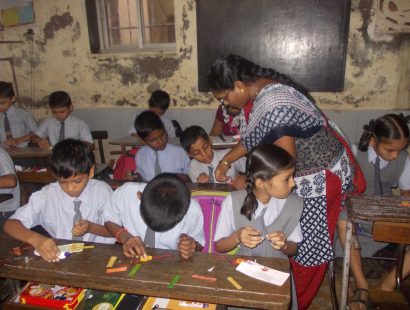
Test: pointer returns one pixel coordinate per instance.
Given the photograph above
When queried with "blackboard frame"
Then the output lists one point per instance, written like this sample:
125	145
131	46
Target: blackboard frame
305	39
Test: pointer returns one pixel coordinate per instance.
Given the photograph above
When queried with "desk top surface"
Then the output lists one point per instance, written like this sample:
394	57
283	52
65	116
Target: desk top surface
88	269
27	152
217	142
377	208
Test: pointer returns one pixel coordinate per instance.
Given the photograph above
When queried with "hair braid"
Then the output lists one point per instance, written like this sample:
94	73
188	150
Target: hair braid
250	203
366	136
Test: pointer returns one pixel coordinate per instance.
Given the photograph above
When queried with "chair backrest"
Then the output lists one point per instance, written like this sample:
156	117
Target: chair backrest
100	135
178	128
210	202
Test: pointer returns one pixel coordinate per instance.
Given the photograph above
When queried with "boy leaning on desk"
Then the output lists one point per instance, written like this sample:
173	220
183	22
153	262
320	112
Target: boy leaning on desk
70	208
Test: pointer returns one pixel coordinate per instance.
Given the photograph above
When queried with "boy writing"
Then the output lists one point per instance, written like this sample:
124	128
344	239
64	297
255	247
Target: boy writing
158	155
159	214
70	208
8	185
62	125
159	104
198	145
16	125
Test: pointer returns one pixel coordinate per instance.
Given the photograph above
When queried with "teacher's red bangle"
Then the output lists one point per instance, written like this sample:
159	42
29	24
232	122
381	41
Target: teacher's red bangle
118	234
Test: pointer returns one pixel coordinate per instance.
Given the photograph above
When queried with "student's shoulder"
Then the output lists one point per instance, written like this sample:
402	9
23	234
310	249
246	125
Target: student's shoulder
97	185
130	188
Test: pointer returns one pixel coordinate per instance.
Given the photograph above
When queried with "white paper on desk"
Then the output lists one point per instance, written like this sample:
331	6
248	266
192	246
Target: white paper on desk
263	273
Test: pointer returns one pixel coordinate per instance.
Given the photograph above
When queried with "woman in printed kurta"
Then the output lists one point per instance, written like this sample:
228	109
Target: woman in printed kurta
285	114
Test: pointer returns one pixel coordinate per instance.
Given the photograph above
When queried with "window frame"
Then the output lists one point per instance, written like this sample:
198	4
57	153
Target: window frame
103	32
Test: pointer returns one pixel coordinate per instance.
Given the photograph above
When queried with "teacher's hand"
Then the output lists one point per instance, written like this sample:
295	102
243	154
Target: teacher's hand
221	170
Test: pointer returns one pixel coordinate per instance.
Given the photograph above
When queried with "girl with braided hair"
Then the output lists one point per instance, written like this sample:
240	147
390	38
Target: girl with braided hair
285	114
263	219
383	158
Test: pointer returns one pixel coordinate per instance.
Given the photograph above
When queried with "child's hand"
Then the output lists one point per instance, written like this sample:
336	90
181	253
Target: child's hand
278	240
12	142
44	144
249	237
221	171
80	228
202	178
46	247
133	246
186	246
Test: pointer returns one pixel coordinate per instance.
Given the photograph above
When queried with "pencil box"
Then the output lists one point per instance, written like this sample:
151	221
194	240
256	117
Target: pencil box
50	295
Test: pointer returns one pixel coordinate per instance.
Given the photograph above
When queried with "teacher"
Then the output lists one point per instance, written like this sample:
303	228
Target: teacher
286	115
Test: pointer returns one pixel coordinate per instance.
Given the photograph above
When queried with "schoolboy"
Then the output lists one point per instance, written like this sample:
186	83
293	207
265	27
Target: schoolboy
158	155
159	214
198	145
16	124
158	103
62	125
8	185
71	208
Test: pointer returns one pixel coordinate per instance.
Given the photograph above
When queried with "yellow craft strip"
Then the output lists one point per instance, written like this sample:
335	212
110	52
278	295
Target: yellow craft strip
234	283
111	261
89	247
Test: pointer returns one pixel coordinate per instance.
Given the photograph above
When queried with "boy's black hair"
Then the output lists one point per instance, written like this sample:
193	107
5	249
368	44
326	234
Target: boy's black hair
59	99
71	157
6	90
146	122
164	202
159	99
190	135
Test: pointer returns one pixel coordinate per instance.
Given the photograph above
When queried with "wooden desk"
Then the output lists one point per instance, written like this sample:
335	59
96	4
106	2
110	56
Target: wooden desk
88	269
27	152
379	210
133	141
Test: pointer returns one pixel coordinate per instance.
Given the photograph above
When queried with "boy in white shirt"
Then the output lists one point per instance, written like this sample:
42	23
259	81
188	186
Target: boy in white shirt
16	124
159	214
70	208
198	145
158	103
158	155
62	125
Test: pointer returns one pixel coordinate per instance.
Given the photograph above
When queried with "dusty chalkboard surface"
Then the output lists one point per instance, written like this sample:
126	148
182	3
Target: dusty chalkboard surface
305	39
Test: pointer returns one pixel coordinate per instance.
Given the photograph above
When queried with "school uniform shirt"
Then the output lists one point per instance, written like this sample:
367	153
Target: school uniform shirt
196	167
172	159
226	223
21	124
169	127
73	128
404	180
53	209
7	167
124	210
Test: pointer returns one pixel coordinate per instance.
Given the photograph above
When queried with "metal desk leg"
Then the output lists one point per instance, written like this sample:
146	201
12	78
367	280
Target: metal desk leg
346	265
399	268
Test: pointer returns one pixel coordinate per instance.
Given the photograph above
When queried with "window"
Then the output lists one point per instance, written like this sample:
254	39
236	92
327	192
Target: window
125	25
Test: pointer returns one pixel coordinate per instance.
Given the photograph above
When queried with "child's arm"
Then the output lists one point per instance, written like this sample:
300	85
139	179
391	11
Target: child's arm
279	242
17	141
82	227
45	246
41	142
187	246
405	193
247	236
8	181
131	245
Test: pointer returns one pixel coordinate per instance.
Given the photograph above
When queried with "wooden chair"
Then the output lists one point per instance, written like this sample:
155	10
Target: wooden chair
100	135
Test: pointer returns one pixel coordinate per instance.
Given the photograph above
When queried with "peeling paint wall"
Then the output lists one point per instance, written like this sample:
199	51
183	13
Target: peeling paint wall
57	56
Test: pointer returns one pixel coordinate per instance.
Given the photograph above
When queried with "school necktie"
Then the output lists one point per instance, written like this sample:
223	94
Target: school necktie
7	128
77	217
157	168
211	174
378	189
62	132
149	239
